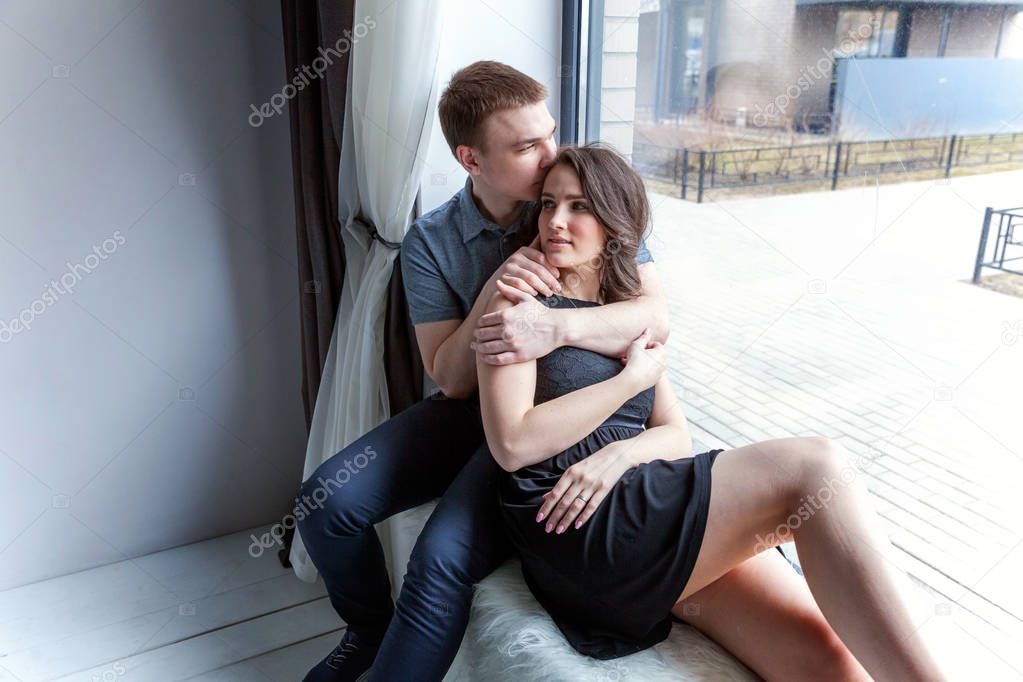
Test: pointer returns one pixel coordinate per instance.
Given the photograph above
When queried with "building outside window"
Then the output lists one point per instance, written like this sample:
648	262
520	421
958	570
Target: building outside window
683	70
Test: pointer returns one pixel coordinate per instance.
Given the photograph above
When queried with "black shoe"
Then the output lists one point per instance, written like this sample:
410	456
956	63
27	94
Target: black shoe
348	662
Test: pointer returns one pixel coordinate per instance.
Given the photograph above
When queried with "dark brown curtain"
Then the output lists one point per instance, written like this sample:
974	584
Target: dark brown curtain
312	29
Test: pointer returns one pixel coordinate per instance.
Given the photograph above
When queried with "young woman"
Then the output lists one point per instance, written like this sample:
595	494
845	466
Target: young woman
620	526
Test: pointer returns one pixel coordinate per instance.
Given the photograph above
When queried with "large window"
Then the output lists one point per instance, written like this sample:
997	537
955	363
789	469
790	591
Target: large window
867	33
819	173
973	31
967	30
1011	43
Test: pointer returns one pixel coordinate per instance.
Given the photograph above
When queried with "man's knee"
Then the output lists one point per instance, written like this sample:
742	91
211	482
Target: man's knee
326	497
444	560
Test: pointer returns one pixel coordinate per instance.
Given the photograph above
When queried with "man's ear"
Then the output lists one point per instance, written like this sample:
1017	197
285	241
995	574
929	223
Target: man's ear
466	156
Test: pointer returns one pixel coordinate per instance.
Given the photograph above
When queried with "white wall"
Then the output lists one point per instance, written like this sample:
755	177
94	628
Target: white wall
526	35
158	402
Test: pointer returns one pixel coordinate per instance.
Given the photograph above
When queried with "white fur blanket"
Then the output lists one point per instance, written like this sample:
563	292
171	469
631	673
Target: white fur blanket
511	637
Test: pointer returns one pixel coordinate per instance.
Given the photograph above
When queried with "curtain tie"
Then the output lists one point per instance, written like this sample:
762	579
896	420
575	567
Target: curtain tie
373	234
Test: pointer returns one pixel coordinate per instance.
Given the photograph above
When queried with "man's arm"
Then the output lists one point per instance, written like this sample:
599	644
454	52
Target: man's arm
444	346
607	329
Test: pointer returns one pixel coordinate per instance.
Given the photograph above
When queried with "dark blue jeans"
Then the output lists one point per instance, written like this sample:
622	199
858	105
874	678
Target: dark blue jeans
435	448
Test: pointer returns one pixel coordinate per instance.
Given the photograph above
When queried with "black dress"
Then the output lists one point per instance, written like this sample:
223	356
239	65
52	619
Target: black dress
611	584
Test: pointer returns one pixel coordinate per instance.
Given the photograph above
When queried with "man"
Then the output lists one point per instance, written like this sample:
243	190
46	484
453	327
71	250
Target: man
498	127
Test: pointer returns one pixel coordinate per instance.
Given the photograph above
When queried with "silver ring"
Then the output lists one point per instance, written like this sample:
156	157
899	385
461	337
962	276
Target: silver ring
584	499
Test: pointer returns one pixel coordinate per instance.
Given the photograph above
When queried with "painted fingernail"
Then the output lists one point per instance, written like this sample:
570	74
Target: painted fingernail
539	517
561	529
577	524
550	527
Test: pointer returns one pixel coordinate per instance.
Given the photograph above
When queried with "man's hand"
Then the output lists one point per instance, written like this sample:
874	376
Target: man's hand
582	488
528	270
522	332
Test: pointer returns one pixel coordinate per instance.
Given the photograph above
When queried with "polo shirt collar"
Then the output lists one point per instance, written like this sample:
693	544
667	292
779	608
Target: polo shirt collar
474	222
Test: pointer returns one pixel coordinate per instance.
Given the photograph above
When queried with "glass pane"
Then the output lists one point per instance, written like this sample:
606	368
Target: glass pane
1012	36
849	150
669	53
886	36
856	32
973	32
867	33
925	35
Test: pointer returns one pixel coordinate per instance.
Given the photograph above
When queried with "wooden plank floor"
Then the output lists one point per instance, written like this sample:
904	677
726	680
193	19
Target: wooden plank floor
204	611
211	612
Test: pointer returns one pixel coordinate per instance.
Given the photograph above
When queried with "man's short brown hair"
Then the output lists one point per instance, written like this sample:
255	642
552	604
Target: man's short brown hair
477	91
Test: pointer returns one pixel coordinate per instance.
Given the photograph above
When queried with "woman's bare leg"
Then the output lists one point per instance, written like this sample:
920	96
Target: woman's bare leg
763	613
767	493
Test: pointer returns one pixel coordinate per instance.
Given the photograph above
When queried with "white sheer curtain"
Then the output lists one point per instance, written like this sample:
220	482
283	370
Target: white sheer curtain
392	93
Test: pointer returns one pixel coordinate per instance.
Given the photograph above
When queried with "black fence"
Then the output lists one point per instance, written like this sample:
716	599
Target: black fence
1007	220
697	171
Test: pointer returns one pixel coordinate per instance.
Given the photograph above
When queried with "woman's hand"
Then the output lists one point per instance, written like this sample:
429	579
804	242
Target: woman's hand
645	361
582	488
528	271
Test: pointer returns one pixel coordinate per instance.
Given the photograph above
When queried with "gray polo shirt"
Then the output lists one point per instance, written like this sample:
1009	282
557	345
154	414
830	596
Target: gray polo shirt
449	254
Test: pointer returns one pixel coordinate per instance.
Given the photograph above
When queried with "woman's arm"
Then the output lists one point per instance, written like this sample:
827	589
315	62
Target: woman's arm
585	484
667	434
520	433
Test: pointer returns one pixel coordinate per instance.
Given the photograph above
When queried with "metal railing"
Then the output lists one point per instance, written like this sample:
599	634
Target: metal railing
697	171
1008	219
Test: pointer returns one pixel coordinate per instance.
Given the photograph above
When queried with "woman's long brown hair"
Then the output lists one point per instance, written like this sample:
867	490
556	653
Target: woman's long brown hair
618	200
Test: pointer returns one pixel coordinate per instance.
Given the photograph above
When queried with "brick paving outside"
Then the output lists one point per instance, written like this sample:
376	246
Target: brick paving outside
850	314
